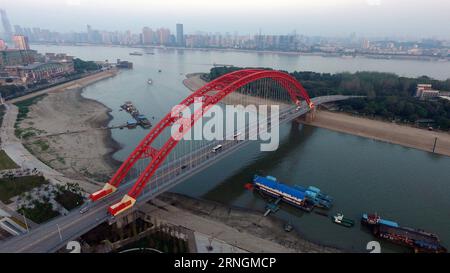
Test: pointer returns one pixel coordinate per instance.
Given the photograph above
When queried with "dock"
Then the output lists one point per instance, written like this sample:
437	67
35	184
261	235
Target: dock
138	118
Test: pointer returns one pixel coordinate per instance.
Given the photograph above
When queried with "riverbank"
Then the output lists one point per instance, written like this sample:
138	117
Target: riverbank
384	131
243	228
66	131
382	56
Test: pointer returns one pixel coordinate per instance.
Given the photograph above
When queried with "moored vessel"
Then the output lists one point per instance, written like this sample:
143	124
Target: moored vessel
417	239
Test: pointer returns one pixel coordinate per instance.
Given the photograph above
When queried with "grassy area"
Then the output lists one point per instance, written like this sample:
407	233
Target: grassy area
69	200
43	145
25	105
41	212
10	187
2	113
6	162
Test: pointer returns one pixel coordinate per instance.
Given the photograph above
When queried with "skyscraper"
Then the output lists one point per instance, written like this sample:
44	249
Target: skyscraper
163	35
89	34
6	26
147	36
2	45
180	35
21	42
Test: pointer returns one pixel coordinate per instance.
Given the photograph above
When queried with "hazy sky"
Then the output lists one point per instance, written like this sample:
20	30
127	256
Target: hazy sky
413	18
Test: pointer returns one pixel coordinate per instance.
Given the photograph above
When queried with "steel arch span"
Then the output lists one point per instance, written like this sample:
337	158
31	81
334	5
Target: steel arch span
211	93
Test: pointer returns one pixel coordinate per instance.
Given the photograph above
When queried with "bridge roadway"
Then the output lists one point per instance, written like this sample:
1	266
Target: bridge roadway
53	235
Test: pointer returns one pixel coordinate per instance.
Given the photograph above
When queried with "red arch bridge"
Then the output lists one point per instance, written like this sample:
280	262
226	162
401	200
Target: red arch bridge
156	178
157	164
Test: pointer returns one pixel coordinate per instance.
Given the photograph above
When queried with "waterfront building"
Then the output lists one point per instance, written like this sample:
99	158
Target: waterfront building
17	57
426	91
36	72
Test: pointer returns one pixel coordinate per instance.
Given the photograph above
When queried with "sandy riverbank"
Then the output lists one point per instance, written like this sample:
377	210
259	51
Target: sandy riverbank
83	155
384	131
240	227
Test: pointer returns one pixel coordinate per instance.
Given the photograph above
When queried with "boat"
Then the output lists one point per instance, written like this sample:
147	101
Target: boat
131	124
320	199
288	227
159	70
341	220
303	198
136	53
418	240
143	121
149	81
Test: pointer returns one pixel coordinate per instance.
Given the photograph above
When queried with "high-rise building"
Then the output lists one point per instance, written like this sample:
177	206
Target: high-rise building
180	35
2	45
164	36
89	34
147	36
6	26
21	42
18	30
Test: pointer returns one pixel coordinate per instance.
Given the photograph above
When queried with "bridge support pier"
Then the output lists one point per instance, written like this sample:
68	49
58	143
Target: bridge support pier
308	117
311	115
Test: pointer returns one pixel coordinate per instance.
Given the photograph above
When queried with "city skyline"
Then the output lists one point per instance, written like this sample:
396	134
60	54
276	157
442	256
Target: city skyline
401	18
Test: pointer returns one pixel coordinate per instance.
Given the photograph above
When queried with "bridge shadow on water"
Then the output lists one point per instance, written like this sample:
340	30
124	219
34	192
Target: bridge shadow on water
232	187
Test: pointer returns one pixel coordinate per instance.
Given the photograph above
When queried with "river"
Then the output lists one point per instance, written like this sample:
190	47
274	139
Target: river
409	186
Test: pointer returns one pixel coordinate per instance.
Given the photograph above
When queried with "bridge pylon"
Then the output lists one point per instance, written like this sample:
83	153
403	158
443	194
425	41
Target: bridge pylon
124	204
105	191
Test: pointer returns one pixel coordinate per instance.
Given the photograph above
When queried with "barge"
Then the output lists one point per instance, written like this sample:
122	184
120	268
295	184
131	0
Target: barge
419	240
298	196
133	111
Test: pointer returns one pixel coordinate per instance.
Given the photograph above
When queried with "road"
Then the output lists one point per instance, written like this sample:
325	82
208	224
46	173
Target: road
53	235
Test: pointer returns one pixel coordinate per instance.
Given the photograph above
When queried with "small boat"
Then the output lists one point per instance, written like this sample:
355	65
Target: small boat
159	70
288	227
149	81
341	220
136	53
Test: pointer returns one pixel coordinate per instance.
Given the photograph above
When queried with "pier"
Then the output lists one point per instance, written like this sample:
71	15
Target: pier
139	119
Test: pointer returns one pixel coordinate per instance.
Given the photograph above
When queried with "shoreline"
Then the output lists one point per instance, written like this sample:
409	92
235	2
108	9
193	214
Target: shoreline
393	133
340	55
109	140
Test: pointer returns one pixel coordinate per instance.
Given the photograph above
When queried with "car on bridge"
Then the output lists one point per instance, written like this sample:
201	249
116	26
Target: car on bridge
217	148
